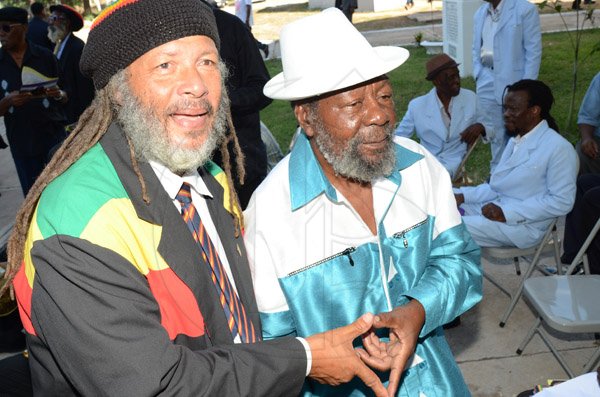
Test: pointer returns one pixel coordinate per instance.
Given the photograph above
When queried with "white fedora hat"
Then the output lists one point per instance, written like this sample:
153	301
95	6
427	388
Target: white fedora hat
323	53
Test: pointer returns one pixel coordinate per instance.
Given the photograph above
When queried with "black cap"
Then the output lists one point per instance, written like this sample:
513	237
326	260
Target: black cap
13	14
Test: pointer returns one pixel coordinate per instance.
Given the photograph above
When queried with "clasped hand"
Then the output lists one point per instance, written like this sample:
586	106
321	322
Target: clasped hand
335	361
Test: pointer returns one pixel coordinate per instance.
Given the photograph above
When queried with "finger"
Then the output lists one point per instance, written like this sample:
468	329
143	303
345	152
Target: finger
370	379
373	361
371	344
362	325
383	320
397	367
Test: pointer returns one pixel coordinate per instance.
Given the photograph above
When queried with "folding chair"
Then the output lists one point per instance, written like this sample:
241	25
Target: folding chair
566	303
549	241
461	177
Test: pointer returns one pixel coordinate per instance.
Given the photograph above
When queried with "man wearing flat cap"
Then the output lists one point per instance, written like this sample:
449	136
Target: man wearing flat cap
354	220
33	114
63	21
444	119
127	257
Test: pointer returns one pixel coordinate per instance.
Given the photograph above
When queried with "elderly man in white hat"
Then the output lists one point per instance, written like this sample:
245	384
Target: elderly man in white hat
354	220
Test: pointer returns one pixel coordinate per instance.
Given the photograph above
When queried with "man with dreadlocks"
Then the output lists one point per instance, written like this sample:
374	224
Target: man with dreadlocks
534	181
120	294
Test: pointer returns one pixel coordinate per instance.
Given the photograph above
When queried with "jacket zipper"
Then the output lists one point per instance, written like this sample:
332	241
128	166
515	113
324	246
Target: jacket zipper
347	252
402	234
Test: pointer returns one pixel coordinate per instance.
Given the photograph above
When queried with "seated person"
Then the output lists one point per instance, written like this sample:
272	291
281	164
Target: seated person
534	181
588	122
581	220
444	118
355	220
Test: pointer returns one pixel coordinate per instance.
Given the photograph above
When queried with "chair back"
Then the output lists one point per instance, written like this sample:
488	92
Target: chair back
581	254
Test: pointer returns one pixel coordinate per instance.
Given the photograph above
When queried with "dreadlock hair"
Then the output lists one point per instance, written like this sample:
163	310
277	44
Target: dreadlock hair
539	95
92	125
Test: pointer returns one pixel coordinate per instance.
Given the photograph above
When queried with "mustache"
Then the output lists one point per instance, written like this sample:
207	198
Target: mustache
195	104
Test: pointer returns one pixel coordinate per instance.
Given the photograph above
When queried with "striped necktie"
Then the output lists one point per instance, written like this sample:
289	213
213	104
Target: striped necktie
238	321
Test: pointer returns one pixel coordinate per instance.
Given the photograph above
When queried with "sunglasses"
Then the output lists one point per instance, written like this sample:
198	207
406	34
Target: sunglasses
54	18
7	27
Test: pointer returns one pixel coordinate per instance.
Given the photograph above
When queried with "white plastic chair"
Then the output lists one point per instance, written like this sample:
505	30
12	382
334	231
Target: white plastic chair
549	242
568	303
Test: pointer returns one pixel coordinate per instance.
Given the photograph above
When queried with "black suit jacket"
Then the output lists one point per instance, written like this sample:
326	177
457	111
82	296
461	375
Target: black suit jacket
99	328
247	78
79	88
37	33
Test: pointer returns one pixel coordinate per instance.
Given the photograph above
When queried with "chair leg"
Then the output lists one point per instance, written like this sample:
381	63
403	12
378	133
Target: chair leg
546	338
530	334
559	268
517	265
592	363
517	294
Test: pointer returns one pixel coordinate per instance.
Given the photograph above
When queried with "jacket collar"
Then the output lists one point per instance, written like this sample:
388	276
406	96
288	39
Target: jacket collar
32	50
506	14
307	179
533	142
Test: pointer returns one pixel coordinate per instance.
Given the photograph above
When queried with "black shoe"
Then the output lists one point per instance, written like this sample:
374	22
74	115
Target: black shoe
3	144
566	259
526	393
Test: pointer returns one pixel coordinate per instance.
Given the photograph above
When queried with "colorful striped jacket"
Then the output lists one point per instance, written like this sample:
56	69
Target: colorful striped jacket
116	299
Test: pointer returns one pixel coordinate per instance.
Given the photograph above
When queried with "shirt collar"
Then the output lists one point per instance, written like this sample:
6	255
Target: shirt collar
542	125
307	180
497	10
172	182
441	105
63	43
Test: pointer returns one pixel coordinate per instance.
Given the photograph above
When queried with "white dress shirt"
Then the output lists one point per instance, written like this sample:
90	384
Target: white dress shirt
172	184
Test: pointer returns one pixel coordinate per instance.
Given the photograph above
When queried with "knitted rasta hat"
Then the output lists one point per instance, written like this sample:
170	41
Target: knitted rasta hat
128	29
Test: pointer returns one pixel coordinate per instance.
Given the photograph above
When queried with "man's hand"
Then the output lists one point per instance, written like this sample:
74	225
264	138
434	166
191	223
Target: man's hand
334	360
493	212
460	199
405	323
17	98
589	147
471	133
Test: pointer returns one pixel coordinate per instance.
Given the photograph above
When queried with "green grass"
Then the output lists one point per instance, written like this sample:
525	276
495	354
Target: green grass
409	82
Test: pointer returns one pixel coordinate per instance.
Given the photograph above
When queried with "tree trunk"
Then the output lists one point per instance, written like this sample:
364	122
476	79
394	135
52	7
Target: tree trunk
87	9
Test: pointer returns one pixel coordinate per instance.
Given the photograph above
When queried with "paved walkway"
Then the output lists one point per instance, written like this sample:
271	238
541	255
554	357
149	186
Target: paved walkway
405	36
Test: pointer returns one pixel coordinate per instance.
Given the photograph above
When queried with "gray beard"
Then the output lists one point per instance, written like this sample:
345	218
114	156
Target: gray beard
348	161
55	34
150	138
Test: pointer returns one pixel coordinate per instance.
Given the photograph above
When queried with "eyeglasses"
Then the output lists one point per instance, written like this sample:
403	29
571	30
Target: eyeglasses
7	27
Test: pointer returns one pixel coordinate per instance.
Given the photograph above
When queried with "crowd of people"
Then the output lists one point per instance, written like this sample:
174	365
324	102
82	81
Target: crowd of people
154	254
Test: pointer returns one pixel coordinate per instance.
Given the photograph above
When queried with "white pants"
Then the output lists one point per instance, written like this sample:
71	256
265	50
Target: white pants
491	116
